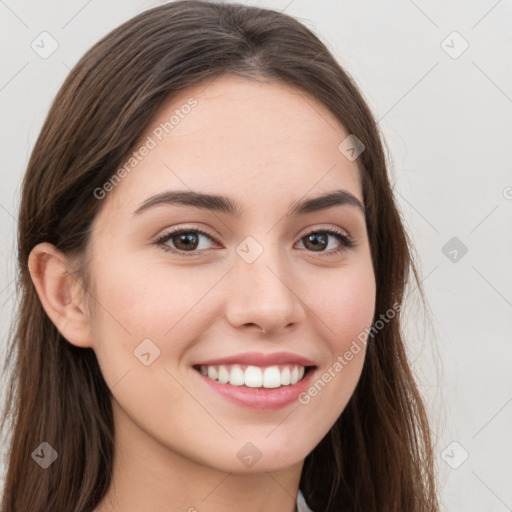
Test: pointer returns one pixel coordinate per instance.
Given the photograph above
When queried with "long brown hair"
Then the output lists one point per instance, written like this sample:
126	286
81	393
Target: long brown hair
378	455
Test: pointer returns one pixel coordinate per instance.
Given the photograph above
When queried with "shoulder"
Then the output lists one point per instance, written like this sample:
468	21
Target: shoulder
302	506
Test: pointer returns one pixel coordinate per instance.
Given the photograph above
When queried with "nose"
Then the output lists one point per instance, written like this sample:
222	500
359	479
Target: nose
264	295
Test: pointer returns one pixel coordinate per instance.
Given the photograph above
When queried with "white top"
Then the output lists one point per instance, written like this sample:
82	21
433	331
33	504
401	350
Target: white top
302	506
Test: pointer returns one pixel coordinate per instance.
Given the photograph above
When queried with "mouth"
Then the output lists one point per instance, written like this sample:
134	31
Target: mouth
257	380
251	376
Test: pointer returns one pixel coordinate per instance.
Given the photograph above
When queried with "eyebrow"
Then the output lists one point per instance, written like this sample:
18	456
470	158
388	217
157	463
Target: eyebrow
224	204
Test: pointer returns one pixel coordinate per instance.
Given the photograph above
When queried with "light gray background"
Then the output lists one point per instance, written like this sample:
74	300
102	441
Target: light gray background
447	122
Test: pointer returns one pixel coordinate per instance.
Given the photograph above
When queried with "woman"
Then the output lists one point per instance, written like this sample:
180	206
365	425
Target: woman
212	268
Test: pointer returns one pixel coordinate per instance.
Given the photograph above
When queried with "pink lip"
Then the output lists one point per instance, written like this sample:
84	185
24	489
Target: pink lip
258	359
260	398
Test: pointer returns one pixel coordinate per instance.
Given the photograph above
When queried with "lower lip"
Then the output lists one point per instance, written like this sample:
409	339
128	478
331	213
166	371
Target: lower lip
260	398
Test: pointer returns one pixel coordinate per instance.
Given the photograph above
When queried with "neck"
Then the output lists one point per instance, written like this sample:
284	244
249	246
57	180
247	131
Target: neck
150	476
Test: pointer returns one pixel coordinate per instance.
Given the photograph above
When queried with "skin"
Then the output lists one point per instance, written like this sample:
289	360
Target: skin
266	145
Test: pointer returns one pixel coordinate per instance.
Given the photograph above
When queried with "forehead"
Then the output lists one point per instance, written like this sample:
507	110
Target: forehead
253	139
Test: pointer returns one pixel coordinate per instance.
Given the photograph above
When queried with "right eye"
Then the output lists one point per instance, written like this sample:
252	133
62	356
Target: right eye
186	242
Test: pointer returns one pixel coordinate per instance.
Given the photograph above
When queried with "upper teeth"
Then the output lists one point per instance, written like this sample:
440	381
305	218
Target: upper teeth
254	376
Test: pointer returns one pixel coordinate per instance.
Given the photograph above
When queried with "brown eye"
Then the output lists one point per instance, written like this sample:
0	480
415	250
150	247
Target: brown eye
318	241
184	241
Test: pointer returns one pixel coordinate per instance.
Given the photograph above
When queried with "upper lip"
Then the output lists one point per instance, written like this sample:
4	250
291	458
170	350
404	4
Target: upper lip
258	359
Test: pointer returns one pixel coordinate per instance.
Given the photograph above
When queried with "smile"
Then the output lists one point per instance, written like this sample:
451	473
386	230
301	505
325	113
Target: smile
269	377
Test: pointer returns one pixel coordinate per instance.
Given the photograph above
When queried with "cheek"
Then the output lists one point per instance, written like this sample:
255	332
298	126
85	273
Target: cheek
147	318
345	307
137	301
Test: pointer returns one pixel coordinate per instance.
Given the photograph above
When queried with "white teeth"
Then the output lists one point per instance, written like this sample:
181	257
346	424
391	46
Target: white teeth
212	372
223	375
271	377
236	376
254	376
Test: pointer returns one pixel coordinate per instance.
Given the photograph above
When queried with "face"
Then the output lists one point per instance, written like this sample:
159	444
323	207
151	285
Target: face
223	326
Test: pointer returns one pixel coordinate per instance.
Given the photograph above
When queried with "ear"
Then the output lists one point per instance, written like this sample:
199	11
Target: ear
60	293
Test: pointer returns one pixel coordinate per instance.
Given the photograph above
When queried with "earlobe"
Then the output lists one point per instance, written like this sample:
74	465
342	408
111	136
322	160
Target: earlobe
58	290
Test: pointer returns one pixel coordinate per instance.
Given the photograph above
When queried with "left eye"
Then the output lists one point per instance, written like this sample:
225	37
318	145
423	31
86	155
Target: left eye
319	240
189	241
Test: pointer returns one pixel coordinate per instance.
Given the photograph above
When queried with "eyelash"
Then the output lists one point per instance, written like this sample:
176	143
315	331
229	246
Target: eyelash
345	242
